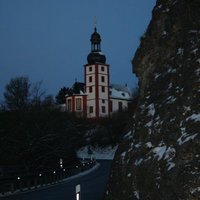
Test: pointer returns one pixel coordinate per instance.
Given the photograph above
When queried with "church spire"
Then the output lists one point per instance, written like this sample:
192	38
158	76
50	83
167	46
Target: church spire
95	41
95	22
96	56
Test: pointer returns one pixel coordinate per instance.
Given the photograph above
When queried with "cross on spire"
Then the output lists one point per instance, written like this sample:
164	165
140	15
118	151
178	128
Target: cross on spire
95	22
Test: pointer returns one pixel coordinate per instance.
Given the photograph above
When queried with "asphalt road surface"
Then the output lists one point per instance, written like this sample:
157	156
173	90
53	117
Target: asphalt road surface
93	186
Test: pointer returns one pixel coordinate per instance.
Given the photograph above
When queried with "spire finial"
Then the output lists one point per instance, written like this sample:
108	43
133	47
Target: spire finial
95	23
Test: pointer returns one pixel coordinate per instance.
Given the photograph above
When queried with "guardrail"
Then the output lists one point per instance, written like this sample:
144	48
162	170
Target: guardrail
45	178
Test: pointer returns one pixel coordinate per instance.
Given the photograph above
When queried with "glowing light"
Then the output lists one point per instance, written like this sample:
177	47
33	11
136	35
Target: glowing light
61	163
78	196
78	192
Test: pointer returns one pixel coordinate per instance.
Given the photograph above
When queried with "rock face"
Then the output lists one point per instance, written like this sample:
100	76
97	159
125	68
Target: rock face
160	158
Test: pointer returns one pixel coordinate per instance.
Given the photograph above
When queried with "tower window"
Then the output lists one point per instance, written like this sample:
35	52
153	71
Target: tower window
91	109
102	69
103	109
90	69
103	100
103	88
90	78
90	89
103	79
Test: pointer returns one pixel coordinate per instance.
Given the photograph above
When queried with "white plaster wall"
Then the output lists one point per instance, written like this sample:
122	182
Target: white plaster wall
115	105
103	95
92	83
88	71
100	108
105	83
88	83
91	103
105	69
91	95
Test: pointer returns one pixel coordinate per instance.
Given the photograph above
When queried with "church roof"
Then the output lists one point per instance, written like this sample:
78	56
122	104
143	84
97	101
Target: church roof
95	37
77	89
96	57
120	92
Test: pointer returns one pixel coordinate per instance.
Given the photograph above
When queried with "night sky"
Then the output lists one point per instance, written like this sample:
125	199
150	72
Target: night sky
49	40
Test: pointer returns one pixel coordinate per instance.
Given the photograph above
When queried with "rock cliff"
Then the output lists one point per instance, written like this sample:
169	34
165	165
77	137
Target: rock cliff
159	158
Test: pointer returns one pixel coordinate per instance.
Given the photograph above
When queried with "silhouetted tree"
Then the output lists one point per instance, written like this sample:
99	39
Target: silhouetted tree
37	140
60	97
48	103
17	93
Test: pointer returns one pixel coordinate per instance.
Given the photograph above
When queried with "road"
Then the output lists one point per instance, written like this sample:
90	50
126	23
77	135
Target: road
92	187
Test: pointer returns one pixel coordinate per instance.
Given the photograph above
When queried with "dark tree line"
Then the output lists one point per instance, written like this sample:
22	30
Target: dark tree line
22	95
37	140
33	133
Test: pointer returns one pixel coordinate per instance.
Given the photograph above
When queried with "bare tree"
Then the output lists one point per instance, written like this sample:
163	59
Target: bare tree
37	93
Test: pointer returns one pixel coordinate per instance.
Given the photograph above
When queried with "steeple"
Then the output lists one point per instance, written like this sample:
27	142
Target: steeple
95	41
96	56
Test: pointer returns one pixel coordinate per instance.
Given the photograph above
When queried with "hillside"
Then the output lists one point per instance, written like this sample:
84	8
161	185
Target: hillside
160	157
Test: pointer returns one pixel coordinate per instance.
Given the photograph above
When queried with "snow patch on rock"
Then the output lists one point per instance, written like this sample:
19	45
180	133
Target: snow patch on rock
194	117
151	110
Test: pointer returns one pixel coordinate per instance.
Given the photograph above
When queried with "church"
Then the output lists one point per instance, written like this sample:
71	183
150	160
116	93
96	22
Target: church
97	97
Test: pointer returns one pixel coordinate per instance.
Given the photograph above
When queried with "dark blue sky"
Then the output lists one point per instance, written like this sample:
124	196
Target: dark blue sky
49	40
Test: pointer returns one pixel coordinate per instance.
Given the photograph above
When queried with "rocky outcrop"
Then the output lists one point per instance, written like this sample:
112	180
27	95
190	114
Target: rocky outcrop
160	158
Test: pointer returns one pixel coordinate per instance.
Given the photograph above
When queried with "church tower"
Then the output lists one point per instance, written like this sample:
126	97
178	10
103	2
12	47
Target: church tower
96	74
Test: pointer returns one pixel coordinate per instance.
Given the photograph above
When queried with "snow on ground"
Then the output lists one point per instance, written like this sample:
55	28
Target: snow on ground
106	153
